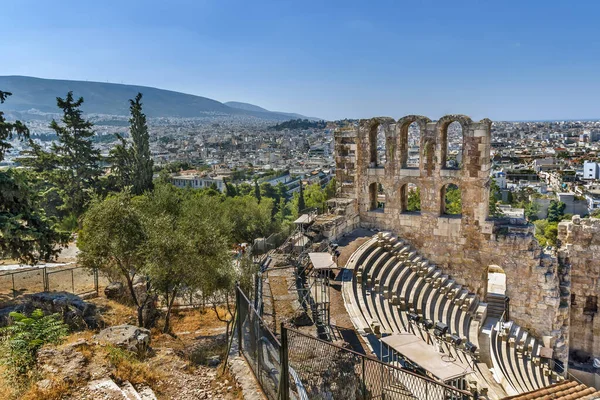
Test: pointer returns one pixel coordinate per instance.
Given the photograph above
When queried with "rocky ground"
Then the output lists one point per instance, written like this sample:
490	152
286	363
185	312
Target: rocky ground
187	364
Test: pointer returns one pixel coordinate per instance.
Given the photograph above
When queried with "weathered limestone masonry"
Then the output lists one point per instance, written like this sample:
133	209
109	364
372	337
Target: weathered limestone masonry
464	246
579	255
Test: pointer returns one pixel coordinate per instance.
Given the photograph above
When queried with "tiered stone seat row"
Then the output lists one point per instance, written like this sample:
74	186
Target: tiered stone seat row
391	280
516	356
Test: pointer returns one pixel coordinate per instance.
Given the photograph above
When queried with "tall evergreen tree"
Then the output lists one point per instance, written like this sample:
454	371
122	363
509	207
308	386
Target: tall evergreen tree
257	191
9	129
230	190
26	233
78	159
133	164
301	203
142	160
72	165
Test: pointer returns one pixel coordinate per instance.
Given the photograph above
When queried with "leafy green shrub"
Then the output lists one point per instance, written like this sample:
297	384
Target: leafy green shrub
21	340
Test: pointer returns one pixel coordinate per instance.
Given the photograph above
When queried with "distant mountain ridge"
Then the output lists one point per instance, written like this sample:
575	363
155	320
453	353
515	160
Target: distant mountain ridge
251	107
112	99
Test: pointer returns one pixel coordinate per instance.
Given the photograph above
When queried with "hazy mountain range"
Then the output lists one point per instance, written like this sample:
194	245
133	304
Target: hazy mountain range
29	93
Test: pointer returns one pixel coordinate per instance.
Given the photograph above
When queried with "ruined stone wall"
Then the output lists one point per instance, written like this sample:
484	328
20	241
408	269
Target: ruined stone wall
579	255
465	245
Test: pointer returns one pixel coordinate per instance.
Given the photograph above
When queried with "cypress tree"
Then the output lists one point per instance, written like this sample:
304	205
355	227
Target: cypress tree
142	160
301	203
257	191
132	163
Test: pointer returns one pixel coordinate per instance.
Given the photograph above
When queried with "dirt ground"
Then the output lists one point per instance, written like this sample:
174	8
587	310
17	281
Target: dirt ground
339	315
173	367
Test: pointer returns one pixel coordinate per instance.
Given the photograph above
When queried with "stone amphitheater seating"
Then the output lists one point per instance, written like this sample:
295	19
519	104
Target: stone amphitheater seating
385	280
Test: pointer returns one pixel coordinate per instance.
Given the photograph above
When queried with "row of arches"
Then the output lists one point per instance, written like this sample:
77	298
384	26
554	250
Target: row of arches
450	130
410	198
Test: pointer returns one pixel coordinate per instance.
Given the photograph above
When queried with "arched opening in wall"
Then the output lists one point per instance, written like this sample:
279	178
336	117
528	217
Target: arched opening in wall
376	197
377	145
451	200
454	146
496	292
413	146
411	198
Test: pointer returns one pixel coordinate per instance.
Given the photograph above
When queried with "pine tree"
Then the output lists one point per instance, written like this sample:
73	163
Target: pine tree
9	129
26	233
72	165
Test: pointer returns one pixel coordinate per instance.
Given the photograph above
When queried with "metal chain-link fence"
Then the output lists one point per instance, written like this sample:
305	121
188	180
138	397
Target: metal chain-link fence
317	369
259	345
76	280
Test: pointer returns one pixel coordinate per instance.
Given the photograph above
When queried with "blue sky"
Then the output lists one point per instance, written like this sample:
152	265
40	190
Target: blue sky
506	60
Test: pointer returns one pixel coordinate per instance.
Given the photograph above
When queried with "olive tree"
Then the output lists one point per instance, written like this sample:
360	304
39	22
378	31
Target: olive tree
112	239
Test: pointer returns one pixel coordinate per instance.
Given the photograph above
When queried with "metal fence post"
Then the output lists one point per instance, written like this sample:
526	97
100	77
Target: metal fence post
13	286
73	281
363	382
284	374
238	306
96	281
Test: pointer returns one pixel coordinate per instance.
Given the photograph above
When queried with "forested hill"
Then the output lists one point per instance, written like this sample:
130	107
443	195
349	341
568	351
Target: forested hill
299	124
111	98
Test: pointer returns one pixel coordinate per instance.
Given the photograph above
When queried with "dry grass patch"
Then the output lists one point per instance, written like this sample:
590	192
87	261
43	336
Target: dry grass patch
203	320
7	391
56	390
115	313
223	375
127	367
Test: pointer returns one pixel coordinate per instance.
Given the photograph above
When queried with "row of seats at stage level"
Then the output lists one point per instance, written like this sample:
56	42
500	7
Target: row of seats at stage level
393	287
518	357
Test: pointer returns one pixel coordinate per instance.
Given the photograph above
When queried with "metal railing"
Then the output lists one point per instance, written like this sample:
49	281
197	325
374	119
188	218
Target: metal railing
301	366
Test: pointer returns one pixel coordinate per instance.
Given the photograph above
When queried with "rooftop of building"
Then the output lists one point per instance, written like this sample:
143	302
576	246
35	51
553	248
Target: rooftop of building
565	390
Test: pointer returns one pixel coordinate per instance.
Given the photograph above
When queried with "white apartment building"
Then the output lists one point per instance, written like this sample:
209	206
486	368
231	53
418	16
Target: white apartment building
591	170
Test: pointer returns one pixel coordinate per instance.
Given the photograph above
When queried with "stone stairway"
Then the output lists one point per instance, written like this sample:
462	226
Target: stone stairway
495	305
106	388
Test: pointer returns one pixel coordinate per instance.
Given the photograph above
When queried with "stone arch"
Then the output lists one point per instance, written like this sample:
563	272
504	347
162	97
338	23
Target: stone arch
377	197
403	125
451	200
410	198
442	132
377	137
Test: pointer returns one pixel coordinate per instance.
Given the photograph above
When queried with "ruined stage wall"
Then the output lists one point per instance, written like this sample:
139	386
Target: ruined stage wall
465	245
579	254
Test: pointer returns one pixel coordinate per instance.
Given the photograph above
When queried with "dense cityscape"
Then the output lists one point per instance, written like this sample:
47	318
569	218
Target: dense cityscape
554	159
275	200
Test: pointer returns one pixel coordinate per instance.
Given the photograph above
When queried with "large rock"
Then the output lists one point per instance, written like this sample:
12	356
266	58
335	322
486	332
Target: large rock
115	291
76	313
127	337
67	363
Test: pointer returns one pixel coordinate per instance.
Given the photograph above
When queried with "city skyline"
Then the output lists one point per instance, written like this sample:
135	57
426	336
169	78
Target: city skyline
534	61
